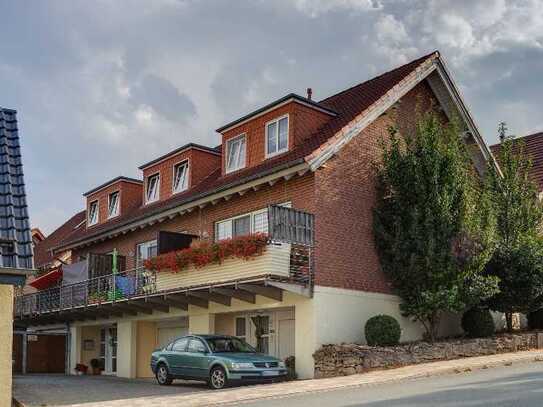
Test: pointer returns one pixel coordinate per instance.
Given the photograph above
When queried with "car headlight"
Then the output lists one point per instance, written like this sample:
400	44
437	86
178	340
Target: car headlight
282	364
240	366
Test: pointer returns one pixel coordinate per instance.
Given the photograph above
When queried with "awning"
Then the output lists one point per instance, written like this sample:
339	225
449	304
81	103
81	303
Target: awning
47	280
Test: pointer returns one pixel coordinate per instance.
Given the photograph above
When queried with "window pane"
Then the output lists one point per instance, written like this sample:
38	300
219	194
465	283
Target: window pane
181	178
180	345
240	327
113	209
152	188
242	226
260	222
283	134
241	157
93	213
196	346
272	137
224	230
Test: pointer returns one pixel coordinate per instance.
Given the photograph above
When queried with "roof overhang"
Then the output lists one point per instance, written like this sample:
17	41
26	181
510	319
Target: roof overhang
434	71
182	149
114	181
292	97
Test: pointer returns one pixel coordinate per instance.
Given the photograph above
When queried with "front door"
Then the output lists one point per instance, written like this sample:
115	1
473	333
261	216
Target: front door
108	349
261	333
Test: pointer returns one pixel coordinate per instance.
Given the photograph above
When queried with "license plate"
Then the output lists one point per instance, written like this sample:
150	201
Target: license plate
270	373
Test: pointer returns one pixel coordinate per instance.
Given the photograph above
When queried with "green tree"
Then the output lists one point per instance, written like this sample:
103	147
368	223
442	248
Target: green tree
514	195
433	224
518	260
520	272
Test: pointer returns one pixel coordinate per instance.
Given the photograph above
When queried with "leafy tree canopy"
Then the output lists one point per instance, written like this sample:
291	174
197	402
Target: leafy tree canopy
433	223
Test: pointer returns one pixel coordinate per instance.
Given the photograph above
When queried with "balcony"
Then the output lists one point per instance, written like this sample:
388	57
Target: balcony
285	264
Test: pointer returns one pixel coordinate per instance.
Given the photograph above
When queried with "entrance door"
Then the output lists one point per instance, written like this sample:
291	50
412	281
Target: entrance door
261	333
286	338
108	349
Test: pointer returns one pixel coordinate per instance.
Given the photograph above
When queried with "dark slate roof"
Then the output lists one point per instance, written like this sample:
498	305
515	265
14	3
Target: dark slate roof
43	254
119	178
14	223
534	149
347	104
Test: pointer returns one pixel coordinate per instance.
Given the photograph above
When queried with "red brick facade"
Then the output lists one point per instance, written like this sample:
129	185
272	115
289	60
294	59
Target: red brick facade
130	198
303	122
341	193
201	222
201	164
345	196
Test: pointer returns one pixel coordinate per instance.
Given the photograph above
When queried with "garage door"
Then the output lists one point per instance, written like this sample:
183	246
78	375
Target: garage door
168	334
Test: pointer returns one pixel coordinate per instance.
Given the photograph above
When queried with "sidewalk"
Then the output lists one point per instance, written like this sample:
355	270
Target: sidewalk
279	390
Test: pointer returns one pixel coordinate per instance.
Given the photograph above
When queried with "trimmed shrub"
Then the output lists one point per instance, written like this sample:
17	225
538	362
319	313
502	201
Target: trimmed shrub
535	319
382	330
478	323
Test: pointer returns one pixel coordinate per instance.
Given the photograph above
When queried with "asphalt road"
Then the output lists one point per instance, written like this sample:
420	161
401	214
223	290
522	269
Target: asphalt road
519	386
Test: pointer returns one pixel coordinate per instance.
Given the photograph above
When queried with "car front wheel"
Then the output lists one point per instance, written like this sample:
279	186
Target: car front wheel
163	377
217	378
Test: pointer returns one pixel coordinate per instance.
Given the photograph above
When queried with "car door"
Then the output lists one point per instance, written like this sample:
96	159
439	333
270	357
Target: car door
176	356
196	359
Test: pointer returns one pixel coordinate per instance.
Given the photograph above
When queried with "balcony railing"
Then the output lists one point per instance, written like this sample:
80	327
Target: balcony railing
288	258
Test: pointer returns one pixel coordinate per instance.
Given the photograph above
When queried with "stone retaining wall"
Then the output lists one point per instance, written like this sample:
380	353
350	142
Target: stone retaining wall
347	359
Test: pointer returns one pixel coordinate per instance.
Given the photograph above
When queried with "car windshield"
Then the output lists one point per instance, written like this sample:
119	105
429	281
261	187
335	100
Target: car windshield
229	345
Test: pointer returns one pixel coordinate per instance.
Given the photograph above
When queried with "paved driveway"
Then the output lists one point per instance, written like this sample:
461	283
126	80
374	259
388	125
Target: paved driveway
60	390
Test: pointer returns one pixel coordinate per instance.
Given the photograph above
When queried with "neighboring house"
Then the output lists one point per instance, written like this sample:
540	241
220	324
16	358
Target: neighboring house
533	145
15	240
300	171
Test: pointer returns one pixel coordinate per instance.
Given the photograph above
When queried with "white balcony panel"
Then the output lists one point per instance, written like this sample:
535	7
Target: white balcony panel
274	261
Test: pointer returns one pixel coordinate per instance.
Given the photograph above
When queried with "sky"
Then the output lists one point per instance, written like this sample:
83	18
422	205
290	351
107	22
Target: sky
102	87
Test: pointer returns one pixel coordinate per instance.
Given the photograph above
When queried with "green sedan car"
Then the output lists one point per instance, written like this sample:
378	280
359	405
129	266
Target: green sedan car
217	359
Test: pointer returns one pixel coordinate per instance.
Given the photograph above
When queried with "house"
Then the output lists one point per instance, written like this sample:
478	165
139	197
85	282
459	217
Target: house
15	240
297	170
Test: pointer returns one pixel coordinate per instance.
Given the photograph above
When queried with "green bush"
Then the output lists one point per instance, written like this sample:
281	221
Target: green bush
535	319
478	323
382	330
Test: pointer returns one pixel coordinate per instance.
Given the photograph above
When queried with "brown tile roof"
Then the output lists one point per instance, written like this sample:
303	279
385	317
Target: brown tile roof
534	149
42	251
347	104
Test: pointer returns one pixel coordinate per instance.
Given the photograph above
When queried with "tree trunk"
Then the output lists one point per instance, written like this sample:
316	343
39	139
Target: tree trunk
509	321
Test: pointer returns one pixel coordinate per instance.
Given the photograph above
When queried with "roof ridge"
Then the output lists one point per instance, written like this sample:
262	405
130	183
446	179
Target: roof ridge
418	60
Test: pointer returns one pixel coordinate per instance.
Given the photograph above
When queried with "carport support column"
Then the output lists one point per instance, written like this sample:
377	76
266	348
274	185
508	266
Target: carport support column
202	323
305	338
75	348
126	349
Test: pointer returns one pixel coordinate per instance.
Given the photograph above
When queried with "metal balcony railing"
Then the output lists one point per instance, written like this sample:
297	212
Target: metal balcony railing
285	225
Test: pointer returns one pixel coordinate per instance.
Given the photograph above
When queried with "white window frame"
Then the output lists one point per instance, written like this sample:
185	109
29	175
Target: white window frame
89	220
146	245
117	207
276	135
147	200
228	143
187	179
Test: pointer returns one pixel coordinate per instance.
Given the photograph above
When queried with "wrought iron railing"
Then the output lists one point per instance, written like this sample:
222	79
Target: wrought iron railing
285	225
104	289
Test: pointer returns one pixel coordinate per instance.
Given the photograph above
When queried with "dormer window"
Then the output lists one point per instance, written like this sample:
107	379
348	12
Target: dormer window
235	153
181	177
113	205
93	213
152	188
277	136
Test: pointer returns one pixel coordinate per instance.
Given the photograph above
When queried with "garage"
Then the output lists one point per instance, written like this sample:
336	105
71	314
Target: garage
168	330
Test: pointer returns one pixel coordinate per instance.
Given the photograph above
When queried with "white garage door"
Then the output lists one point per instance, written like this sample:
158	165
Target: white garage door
169	330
